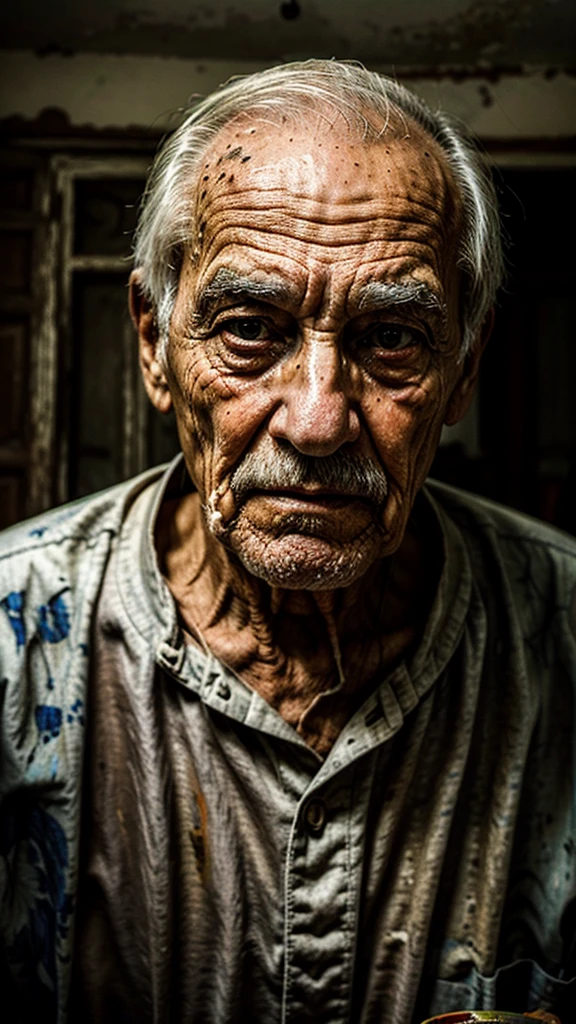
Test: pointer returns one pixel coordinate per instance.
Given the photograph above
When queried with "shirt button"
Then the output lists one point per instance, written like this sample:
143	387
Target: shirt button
315	817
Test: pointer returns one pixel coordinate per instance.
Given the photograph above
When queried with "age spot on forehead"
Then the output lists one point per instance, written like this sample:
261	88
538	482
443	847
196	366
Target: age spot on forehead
292	166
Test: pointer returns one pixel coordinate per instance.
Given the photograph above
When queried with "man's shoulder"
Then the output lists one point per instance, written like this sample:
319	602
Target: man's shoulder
476	516
51	566
82	521
522	566
51	572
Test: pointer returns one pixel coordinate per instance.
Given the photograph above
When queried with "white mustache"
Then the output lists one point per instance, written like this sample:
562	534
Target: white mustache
285	467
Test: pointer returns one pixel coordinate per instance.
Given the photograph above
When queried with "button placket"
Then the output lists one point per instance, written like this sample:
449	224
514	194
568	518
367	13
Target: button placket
320	921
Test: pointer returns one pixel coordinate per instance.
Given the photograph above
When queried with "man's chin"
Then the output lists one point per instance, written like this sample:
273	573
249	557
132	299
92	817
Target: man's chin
300	561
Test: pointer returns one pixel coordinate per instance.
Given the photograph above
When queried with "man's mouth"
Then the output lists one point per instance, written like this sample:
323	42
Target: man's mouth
307	497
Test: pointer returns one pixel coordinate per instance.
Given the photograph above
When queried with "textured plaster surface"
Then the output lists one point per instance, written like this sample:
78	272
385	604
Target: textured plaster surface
109	91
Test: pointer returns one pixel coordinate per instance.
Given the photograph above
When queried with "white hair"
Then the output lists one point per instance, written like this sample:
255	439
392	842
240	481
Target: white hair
166	225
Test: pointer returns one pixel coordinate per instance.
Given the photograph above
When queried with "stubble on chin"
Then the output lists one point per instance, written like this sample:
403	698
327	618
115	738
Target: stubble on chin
291	547
295	551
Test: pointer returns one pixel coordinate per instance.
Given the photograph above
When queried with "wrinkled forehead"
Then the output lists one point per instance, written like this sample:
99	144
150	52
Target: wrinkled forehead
323	154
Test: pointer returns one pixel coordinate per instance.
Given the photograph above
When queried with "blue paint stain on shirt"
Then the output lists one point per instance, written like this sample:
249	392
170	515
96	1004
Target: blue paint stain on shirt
48	720
74	713
38	531
13	605
54	620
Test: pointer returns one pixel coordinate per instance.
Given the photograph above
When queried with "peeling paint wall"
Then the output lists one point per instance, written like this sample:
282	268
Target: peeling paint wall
505	66
111	91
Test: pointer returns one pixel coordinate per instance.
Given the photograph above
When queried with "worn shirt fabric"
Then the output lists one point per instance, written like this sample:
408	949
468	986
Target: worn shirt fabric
172	851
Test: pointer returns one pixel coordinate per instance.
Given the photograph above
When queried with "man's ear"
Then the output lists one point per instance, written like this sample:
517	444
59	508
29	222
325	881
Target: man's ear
144	321
463	393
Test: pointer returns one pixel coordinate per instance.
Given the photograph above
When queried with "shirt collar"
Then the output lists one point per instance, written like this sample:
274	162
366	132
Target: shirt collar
144	591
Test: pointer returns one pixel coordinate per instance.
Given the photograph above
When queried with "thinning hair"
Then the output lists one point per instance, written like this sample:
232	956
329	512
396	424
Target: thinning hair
166	222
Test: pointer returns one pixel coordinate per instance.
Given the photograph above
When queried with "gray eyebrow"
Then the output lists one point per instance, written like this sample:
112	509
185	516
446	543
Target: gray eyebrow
230	285
381	294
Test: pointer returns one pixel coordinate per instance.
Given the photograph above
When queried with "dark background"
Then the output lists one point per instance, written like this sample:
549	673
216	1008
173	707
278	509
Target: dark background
87	91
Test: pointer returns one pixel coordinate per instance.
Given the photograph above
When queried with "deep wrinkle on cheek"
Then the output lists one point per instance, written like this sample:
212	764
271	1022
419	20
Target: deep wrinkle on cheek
404	430
201	372
211	446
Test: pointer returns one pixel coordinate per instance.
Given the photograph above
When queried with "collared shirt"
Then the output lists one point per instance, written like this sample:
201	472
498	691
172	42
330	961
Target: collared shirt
226	872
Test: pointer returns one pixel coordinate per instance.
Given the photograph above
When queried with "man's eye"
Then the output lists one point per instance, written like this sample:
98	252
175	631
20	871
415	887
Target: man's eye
248	328
391	337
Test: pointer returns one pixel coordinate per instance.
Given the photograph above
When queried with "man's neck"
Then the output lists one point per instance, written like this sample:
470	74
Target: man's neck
313	655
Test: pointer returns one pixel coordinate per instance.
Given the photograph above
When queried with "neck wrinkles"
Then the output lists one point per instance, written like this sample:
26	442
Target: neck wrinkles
311	655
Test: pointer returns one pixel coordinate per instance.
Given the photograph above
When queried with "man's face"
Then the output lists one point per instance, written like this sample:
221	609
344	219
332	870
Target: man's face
314	344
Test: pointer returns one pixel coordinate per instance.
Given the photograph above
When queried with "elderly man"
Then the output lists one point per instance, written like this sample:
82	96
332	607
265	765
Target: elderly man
320	716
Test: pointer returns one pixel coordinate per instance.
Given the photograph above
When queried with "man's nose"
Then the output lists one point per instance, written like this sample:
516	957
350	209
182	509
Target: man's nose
316	413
